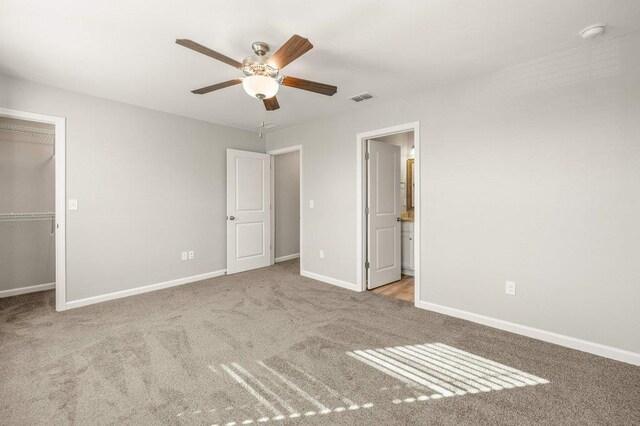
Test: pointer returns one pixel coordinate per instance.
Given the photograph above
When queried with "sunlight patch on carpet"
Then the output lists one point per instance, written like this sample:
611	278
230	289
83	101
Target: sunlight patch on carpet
443	371
279	391
278	395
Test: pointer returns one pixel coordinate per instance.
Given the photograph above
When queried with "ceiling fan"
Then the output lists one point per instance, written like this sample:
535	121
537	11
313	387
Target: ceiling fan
262	71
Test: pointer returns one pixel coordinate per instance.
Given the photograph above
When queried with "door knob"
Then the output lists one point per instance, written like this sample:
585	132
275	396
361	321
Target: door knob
398	219
232	218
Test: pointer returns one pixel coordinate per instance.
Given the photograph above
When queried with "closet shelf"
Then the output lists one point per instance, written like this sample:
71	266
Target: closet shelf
27	134
13	217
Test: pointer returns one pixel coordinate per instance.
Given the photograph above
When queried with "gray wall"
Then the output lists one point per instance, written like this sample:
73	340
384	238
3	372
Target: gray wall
149	185
27	177
287	204
531	174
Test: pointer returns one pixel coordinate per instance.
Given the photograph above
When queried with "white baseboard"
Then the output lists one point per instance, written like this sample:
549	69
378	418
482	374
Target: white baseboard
25	290
287	257
536	333
139	290
329	280
410	272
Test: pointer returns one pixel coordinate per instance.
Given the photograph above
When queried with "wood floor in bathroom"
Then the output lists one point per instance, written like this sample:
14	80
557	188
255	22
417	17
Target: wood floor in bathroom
402	289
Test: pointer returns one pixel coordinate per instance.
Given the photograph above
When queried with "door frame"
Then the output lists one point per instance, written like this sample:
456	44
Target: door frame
60	143
361	200
273	153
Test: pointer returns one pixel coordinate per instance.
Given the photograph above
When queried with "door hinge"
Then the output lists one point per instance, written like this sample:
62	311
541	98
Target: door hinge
366	210
366	156
366	265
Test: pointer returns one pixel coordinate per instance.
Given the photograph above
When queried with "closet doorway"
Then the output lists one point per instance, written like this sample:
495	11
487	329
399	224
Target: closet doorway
32	184
286	205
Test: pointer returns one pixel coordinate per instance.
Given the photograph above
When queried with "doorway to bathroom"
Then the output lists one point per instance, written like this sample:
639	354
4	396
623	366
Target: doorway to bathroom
390	207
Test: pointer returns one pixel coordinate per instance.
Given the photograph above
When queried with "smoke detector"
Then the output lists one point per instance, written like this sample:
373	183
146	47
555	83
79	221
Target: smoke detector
592	31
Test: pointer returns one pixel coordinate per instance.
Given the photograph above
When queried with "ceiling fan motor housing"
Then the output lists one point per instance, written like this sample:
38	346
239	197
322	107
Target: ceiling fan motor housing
260	47
258	64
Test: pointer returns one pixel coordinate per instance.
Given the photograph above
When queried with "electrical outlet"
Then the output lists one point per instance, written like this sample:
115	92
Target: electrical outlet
192	255
185	255
510	288
321	254
73	204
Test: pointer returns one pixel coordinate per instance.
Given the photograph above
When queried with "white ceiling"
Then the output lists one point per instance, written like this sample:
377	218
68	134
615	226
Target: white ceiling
125	50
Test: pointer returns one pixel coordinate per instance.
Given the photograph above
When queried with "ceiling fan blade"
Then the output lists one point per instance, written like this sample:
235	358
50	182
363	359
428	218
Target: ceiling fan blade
206	51
295	47
271	104
218	86
311	86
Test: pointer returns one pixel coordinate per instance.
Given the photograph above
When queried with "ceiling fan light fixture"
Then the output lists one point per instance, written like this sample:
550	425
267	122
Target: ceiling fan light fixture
260	86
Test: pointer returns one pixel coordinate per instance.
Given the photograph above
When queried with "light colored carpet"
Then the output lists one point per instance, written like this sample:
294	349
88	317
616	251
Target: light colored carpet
269	347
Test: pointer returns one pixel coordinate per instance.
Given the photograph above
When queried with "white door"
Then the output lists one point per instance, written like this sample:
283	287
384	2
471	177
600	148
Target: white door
248	210
385	208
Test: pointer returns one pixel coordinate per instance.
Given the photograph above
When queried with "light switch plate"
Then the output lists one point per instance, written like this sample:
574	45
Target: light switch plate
73	204
192	255
310	204
185	255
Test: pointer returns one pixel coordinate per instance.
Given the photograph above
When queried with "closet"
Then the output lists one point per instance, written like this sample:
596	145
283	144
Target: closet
27	205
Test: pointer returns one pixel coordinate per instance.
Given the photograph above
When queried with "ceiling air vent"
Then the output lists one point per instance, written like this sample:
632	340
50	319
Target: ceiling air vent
268	126
361	97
